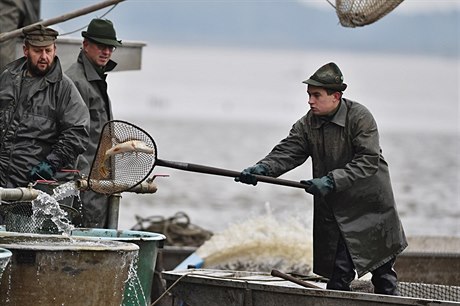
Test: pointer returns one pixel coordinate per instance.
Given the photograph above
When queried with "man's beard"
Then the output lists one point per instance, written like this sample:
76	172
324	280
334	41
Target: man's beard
35	71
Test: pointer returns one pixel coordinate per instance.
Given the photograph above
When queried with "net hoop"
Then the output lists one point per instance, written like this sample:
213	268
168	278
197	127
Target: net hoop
118	164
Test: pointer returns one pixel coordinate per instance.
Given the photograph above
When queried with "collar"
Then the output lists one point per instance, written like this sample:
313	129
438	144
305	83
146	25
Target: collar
91	70
54	75
339	117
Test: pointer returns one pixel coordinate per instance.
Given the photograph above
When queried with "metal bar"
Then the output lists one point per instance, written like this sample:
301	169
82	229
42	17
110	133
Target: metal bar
113	211
18	194
8	35
144	187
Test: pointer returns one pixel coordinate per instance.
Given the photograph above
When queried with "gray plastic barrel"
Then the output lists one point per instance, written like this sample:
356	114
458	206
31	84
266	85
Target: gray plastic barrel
61	270
138	290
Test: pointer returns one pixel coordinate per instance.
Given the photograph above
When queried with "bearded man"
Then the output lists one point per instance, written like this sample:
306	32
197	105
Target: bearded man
44	123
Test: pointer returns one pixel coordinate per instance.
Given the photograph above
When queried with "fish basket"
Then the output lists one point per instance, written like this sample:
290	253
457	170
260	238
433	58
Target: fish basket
19	217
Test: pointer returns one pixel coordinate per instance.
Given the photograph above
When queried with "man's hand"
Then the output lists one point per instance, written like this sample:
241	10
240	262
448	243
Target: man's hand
319	186
247	176
43	171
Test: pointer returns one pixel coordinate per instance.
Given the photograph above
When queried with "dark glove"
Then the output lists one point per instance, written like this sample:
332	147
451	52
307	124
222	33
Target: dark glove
247	175
43	171
319	186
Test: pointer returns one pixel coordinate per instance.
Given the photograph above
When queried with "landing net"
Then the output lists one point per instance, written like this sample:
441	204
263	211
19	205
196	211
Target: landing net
355	13
125	157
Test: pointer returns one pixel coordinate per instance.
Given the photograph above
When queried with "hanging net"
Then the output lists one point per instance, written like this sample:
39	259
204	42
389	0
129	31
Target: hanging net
356	13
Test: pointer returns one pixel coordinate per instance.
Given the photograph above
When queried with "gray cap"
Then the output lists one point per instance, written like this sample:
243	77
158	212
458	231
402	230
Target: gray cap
40	36
328	76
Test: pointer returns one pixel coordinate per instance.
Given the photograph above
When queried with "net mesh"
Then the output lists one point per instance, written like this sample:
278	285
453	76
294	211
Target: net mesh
19	217
354	13
430	291
125	157
415	290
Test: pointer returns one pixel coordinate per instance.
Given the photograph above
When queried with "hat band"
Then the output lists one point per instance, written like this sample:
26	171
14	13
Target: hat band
40	36
100	36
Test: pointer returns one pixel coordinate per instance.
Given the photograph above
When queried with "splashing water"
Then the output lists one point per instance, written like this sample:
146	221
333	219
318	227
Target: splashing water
46	205
134	294
66	190
3	263
260	244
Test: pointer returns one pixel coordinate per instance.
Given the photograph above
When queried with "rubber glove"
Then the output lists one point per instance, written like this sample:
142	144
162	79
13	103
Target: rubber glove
319	186
247	176
43	171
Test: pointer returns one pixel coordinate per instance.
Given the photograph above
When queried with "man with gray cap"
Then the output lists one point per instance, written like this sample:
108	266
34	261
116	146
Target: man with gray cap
89	74
44	122
356	227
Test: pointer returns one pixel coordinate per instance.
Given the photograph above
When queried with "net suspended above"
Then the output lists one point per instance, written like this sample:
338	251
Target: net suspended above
355	13
124	158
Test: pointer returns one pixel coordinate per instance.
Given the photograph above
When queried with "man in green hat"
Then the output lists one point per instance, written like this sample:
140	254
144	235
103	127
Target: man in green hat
45	122
89	74
356	227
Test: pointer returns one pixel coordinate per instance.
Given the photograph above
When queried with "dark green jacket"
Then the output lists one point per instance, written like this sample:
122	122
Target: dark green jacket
93	89
53	122
362	207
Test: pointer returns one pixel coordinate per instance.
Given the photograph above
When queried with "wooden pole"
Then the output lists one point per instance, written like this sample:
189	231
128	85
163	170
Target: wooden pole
293	279
16	33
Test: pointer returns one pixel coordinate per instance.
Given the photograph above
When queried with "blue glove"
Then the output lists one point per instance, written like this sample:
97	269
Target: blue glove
43	171
247	175
319	186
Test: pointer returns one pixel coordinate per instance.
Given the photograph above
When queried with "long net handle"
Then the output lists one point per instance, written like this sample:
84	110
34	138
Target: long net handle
225	172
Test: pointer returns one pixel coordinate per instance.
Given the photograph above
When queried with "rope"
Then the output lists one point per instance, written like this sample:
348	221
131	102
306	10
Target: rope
170	287
85	26
178	229
331	3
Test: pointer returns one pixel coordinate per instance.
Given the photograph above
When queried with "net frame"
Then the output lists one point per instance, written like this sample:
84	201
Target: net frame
122	171
355	13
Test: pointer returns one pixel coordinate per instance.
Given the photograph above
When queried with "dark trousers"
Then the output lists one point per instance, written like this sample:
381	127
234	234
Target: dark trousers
384	278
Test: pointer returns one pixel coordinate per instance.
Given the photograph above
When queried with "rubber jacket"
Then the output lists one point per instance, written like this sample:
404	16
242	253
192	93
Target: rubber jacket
362	207
15	14
93	89
51	123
